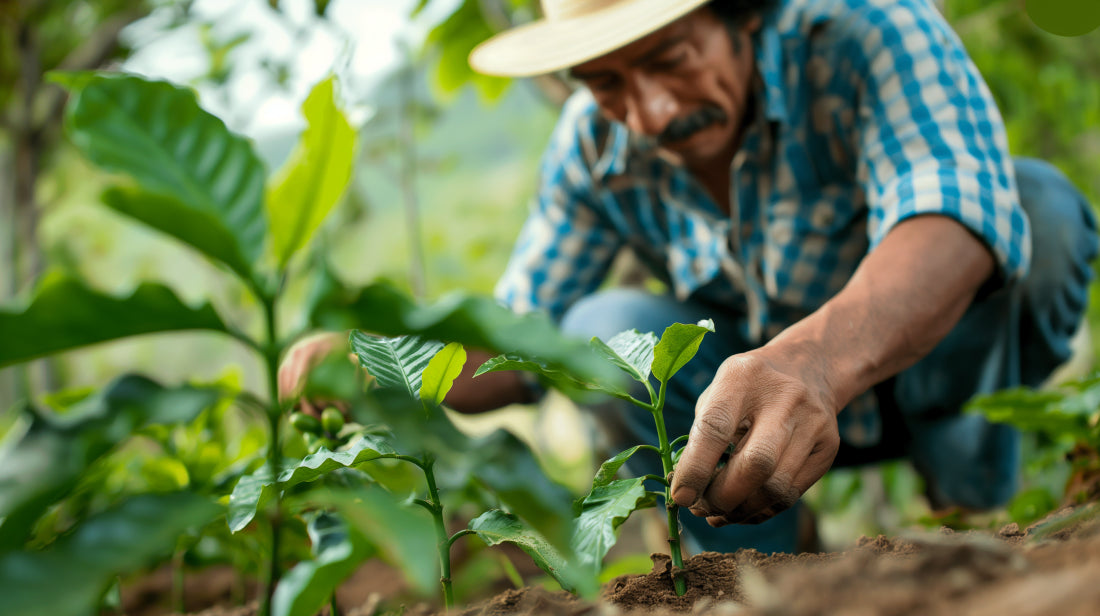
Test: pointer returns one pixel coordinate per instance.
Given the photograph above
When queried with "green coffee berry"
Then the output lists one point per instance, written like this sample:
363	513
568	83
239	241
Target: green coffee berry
332	420
306	424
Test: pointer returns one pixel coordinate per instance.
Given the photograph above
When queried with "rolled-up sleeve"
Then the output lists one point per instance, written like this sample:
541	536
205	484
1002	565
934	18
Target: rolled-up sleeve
930	137
565	247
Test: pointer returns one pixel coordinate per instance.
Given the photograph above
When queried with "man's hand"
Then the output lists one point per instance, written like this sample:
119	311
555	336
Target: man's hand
778	404
780	419
300	360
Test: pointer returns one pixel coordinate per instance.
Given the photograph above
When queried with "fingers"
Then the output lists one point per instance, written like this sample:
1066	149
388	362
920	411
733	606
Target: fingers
715	427
785	438
302	357
755	464
802	464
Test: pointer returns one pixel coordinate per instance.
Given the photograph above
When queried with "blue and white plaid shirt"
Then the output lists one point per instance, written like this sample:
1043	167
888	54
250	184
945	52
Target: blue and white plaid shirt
868	112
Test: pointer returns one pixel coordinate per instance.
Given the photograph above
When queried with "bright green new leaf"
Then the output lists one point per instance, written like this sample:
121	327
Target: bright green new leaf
495	527
46	463
157	133
476	322
678	345
254	491
65	314
404	534
197	228
609	469
441	372
69	577
315	177
395	363
337	553
632	351
601	513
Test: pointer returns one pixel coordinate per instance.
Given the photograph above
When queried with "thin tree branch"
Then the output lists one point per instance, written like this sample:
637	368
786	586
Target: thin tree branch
97	48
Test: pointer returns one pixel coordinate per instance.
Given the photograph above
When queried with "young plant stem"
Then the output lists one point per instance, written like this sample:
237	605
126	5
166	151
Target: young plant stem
671	508
443	541
333	609
177	580
274	415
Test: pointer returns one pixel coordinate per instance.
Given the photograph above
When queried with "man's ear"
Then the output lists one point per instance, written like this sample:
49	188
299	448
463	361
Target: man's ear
752	24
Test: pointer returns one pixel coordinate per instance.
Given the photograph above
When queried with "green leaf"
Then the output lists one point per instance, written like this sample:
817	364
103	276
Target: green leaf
337	552
678	345
495	527
441	372
555	377
404	533
55	451
157	133
1031	411
456	37
50	323
474	321
69	577
395	363
632	351
197	228
509	469
314	178
602	511
414	429
254	491
609	469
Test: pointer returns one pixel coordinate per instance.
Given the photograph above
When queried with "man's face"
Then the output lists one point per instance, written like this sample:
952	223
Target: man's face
684	85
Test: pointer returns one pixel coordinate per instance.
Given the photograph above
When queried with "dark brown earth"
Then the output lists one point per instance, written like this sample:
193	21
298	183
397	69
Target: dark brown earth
1049	568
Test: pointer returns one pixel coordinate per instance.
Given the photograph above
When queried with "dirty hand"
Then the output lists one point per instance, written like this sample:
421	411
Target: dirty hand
779	414
300	360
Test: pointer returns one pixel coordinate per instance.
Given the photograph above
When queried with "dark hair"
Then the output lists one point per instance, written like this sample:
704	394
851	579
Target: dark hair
735	12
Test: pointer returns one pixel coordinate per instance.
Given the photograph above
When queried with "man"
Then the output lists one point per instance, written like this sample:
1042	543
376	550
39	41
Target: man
830	182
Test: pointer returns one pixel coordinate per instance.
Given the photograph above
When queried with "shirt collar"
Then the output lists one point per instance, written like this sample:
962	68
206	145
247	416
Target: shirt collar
769	66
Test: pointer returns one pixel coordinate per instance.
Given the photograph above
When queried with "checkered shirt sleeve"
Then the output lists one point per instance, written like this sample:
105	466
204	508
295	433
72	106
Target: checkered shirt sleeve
931	140
565	248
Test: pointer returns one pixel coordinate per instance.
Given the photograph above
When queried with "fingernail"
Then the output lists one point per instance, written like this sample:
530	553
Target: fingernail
684	496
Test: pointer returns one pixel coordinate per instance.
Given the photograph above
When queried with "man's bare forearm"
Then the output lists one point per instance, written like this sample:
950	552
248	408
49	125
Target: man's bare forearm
904	298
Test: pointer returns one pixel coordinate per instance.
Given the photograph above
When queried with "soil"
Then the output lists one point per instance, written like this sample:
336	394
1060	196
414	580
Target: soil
1052	567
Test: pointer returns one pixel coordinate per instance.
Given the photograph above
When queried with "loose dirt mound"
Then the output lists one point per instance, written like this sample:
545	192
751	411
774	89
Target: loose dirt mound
1053	568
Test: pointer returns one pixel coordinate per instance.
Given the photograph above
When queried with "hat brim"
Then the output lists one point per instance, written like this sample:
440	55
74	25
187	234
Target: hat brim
545	46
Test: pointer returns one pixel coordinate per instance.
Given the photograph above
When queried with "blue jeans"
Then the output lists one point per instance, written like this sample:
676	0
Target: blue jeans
1016	335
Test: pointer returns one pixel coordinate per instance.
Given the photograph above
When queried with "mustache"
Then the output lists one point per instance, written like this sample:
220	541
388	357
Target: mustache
685	126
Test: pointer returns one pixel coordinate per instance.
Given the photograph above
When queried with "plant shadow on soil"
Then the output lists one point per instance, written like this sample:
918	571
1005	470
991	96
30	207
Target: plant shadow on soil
1051	567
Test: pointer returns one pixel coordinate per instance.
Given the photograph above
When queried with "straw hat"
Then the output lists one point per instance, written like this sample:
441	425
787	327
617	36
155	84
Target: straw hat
572	32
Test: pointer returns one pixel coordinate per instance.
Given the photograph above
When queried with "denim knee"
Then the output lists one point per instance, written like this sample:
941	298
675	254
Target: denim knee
1064	244
609	312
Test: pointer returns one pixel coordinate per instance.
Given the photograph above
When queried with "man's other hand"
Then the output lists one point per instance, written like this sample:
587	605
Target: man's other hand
778	419
300	360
